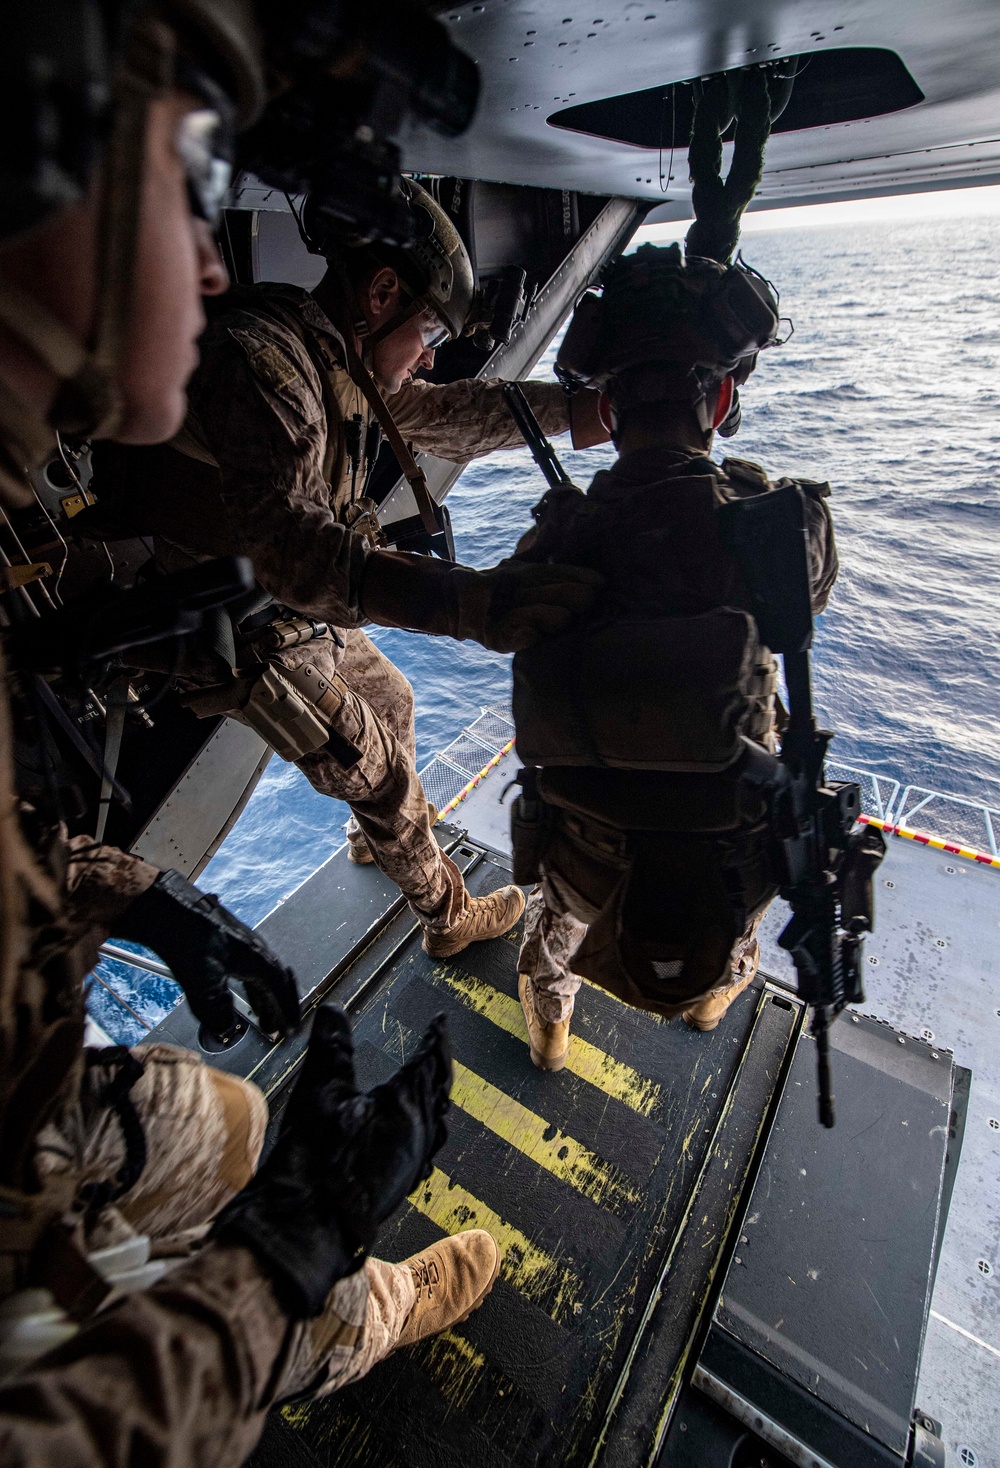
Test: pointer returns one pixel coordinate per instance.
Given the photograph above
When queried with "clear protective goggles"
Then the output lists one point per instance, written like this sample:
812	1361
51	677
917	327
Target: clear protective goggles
433	332
204	142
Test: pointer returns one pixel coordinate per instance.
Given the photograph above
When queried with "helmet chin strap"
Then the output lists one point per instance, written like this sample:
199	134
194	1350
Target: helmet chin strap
89	399
368	338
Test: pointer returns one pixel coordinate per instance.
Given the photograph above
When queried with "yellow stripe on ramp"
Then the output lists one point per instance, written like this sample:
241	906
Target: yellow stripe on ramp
613	1077
456	1366
525	1266
560	1154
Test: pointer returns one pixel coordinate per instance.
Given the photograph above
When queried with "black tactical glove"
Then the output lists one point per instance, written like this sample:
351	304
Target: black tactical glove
203	944
343	1162
507	608
512	605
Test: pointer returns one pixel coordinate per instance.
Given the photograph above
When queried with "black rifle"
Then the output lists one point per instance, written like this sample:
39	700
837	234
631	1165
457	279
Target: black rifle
92	635
542	451
826	865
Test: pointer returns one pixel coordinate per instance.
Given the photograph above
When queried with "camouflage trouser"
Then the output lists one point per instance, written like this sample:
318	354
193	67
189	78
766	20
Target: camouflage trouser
204	1131
359	1326
552	938
383	789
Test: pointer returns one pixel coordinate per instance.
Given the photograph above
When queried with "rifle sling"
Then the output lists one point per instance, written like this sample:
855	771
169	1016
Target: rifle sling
412	472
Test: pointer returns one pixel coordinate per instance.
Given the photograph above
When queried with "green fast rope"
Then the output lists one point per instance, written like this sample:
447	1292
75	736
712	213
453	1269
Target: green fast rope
719	205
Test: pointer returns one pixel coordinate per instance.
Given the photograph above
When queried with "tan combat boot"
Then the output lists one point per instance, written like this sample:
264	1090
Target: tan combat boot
548	1039
358	849
705	1015
360	852
484	917
452	1279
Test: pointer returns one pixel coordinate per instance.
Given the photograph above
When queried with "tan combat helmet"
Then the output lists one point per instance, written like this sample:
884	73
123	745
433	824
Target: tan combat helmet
441	271
68	68
434	268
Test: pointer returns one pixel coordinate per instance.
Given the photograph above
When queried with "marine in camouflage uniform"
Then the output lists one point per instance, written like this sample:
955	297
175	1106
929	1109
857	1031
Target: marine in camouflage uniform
262	470
183	1373
651	838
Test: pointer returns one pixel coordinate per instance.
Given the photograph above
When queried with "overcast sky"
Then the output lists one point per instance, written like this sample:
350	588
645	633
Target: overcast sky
940	203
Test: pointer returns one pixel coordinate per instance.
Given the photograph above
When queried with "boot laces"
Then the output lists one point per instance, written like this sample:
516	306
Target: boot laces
485	909
426	1275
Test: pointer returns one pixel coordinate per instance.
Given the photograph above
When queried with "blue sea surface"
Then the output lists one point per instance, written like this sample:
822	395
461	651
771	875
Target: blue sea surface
890	389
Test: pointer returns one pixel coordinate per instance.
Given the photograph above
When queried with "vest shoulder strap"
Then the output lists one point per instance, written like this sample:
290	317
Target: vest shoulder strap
745	471
816	489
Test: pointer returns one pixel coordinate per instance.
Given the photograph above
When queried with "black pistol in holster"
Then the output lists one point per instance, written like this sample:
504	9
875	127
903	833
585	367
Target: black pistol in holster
824	864
530	824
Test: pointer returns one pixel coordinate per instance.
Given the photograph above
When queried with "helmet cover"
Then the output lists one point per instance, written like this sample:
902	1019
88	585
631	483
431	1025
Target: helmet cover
441	272
670	325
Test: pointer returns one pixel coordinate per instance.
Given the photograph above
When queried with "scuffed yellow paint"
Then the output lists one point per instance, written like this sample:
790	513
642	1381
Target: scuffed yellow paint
529	1269
297	1414
613	1077
456	1366
560	1154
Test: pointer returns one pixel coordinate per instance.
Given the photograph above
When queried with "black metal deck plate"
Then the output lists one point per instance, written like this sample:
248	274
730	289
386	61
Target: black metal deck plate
586	1177
825	1303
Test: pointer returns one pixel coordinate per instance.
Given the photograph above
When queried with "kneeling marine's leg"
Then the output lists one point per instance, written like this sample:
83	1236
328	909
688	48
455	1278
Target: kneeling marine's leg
385	1307
202	1130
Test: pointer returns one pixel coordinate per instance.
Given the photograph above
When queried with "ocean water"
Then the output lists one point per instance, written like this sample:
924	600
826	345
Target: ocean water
890	390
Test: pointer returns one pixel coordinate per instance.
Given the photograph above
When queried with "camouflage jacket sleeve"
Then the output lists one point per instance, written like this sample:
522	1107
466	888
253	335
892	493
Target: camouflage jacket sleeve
101	882
258	403
178	1377
460	421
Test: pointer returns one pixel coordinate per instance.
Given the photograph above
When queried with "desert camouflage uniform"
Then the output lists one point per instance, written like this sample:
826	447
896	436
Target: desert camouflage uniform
182	1375
179	1376
551	939
264	474
648	573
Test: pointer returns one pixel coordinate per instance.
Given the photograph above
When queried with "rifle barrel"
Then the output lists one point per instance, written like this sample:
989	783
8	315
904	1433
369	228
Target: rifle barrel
542	451
821	1030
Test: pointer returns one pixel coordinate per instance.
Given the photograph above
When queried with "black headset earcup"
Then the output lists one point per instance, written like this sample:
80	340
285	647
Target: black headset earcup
579	359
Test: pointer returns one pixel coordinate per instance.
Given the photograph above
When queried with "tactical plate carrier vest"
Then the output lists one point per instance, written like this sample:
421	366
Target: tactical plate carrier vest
649	729
669	674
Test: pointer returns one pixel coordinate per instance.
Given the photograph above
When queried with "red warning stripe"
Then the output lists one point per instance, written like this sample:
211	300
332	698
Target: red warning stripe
969	852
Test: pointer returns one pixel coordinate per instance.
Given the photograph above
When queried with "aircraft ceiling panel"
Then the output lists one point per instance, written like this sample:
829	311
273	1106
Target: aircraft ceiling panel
541	57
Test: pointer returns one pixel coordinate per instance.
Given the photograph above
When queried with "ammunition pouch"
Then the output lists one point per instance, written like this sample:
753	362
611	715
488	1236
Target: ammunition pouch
655	693
279	634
